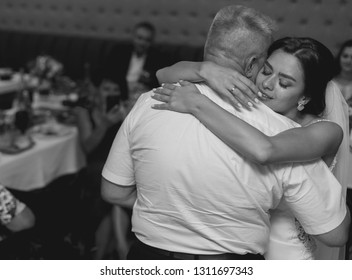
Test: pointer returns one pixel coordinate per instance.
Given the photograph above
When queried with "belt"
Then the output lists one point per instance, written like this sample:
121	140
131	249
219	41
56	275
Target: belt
186	256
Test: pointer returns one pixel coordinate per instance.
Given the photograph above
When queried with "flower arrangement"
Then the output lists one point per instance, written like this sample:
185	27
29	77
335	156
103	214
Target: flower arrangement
45	67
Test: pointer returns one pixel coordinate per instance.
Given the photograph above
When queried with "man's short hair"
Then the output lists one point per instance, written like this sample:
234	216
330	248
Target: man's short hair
235	28
147	25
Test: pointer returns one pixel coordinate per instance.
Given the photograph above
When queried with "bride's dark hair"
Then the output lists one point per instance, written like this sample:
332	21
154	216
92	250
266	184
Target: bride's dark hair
317	63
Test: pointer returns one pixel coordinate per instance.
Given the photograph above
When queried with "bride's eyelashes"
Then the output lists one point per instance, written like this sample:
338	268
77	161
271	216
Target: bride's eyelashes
266	71
283	85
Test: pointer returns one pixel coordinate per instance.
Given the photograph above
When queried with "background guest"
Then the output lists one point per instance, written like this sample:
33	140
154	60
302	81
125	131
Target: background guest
343	79
133	66
344	69
98	119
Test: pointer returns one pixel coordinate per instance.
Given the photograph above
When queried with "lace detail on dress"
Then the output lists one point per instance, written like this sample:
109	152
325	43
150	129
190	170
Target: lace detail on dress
333	164
306	240
318	120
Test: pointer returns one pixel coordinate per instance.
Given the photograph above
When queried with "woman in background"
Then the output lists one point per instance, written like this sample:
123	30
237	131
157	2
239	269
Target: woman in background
343	75
293	83
343	78
98	119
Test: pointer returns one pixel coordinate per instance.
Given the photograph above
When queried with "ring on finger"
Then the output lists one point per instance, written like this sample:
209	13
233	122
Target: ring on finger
233	89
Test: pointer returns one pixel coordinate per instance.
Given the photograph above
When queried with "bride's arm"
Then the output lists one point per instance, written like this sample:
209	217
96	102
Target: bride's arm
297	144
183	70
227	82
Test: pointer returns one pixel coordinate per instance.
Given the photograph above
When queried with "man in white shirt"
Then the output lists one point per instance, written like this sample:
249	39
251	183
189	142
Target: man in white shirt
195	198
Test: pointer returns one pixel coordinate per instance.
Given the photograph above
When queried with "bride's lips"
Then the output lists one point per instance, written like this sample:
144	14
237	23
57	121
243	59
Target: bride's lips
264	96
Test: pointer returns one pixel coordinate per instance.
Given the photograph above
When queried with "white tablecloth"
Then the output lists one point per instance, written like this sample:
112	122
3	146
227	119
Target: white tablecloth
10	85
50	158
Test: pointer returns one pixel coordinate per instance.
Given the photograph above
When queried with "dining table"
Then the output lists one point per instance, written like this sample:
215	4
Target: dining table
49	158
42	161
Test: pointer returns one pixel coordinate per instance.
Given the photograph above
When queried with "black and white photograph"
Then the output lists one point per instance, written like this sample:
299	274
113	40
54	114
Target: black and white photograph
137	130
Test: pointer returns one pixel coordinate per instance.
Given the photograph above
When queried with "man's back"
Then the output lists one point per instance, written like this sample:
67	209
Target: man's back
195	195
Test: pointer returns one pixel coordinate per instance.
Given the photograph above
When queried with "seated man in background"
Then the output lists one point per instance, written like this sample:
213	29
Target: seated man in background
133	66
15	216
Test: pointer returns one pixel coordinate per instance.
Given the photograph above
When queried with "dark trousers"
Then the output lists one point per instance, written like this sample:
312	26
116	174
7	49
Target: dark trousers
349	241
141	251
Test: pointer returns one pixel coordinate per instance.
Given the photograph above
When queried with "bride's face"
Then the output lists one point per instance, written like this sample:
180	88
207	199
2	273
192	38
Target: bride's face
281	80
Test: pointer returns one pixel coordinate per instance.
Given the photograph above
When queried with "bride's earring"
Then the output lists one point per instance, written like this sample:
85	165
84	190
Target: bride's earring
301	103
300	106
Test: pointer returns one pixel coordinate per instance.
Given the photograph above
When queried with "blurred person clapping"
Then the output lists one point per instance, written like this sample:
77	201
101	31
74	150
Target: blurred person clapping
99	114
104	112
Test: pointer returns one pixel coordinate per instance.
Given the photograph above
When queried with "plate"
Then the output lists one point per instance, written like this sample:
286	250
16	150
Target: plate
6	74
51	130
21	144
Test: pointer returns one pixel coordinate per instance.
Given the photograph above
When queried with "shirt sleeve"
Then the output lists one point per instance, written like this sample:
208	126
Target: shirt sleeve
9	206
314	196
118	167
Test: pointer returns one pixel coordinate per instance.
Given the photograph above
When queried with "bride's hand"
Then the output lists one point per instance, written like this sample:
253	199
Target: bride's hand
182	99
230	85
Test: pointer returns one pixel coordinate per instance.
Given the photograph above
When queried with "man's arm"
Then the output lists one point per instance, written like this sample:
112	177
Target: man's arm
118	184
338	236
124	196
316	199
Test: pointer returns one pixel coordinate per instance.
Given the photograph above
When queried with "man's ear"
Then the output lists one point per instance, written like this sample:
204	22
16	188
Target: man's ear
250	69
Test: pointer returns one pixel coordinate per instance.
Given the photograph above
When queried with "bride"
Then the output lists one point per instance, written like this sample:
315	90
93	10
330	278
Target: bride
293	83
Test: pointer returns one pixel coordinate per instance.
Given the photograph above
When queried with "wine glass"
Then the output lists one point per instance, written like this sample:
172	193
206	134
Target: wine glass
22	121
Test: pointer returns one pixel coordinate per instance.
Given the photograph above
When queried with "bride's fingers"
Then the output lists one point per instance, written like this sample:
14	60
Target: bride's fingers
184	83
163	106
161	97
164	91
168	86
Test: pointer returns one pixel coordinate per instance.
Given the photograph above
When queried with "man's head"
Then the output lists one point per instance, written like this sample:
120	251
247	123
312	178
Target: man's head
143	37
239	38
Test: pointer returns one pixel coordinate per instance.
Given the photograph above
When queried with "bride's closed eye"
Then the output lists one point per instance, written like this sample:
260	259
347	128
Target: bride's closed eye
283	84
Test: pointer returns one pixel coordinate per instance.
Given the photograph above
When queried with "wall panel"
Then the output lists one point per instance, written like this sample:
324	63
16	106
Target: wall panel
181	21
